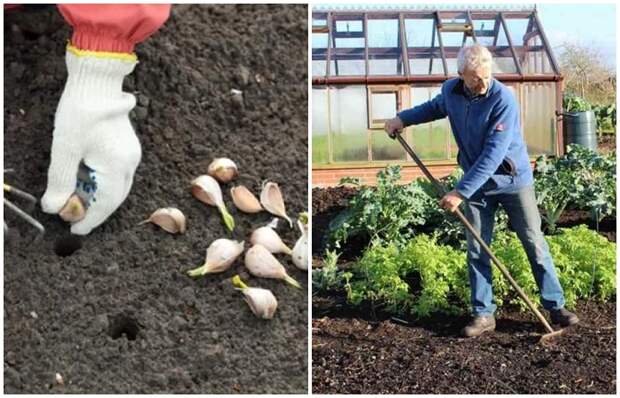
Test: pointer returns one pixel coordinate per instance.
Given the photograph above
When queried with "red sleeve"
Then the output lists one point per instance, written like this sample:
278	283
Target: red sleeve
113	27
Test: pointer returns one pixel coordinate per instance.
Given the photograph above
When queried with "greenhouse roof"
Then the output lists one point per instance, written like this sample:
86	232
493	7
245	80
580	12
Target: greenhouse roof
420	7
420	43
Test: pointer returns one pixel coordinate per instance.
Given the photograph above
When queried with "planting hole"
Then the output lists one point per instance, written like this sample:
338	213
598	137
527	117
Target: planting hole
67	245
123	326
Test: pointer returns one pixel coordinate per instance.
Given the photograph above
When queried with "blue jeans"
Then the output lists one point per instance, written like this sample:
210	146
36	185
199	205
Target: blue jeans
525	220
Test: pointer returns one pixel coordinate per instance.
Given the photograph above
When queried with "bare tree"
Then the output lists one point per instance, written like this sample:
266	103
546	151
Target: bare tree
586	74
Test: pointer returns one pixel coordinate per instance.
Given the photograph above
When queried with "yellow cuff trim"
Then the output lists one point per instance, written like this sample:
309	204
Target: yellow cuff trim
102	54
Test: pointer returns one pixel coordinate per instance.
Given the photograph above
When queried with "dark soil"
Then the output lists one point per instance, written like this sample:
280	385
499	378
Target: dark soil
354	355
120	315
605	227
365	351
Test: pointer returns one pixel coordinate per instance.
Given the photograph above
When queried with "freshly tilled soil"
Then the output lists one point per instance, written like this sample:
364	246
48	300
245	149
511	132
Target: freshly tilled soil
356	355
120	315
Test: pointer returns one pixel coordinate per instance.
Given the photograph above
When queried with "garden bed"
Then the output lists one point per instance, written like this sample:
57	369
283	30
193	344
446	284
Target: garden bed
120	315
354	354
363	349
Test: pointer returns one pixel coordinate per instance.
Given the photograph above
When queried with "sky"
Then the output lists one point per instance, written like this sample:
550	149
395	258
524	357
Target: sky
587	24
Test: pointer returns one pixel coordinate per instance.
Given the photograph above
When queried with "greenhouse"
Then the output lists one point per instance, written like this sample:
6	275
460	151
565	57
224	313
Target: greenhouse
368	64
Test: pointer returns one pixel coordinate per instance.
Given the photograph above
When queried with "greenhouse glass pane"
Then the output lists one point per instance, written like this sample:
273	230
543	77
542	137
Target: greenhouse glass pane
517	28
383	106
319	68
452	66
504	65
451	39
536	60
349	119
385	66
350	26
484	28
538	107
384	148
348	67
350	42
385	54
420	66
419	32
383	33
320	22
319	126
431	141
319	40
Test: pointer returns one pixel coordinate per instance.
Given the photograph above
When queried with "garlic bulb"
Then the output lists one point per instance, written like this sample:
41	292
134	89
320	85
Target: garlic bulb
270	239
73	210
271	199
222	169
170	219
263	264
261	301
207	190
245	200
220	256
300	250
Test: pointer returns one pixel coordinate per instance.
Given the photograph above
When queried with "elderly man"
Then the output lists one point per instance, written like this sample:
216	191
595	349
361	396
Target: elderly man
484	116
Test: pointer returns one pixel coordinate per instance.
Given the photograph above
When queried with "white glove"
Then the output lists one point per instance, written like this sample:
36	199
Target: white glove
92	125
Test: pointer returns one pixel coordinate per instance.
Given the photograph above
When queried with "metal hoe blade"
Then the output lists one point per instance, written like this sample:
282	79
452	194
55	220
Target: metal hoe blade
551	333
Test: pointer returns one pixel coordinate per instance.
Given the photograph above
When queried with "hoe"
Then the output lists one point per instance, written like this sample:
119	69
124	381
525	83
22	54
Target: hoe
550	332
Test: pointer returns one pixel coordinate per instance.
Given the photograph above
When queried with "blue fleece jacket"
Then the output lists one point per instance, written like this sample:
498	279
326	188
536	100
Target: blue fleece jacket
487	131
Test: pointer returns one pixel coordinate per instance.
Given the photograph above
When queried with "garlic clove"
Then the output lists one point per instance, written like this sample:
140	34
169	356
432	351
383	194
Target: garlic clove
270	239
271	200
263	264
170	219
245	200
206	189
221	254
73	210
300	250
262	302
223	169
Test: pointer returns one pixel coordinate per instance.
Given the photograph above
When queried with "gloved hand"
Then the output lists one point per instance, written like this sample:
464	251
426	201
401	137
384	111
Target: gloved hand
92	125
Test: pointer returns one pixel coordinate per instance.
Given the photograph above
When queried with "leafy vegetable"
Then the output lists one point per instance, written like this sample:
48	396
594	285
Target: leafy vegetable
328	277
424	277
573	103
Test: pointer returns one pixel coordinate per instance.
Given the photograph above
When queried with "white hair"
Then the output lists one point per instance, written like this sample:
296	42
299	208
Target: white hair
472	57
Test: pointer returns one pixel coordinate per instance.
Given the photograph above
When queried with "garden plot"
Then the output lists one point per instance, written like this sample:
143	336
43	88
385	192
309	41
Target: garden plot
392	294
120	315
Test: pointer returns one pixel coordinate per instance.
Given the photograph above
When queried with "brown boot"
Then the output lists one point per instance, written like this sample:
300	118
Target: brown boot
479	325
563	317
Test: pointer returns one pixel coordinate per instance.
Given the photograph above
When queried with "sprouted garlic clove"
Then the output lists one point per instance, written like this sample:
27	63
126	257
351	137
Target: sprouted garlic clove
222	169
73	210
263	264
206	189
245	200
221	254
262	302
170	219
271	200
270	239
